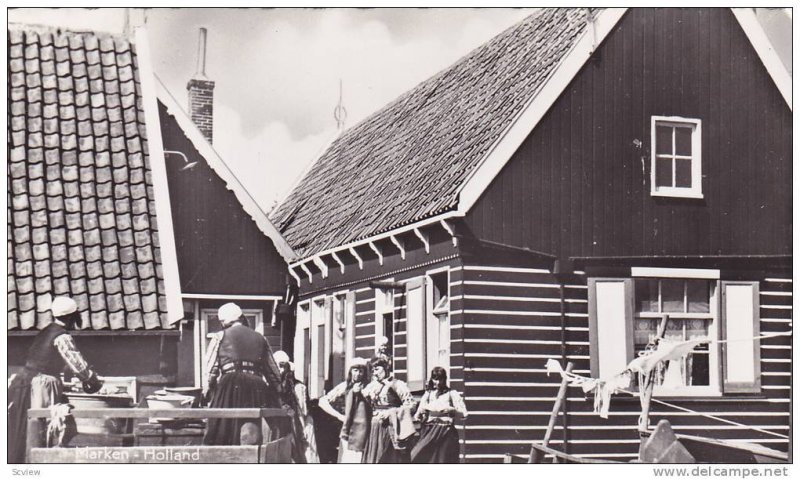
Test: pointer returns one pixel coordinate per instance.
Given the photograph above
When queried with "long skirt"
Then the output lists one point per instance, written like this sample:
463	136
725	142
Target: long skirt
438	444
380	449
310	452
347	455
28	390
237	390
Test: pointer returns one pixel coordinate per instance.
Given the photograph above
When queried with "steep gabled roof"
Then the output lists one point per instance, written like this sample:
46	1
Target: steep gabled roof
408	161
81	202
436	148
221	168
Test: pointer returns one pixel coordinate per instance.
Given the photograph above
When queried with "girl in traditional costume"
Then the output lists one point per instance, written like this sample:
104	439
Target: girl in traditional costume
438	442
357	412
392	425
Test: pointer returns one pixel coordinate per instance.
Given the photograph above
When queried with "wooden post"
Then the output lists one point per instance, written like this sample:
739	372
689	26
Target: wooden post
33	437
647	394
560	398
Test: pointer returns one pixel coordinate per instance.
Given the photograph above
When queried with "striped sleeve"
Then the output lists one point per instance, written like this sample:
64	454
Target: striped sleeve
74	359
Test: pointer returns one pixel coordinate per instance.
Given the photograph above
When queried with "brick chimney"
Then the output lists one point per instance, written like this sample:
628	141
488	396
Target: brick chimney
201	93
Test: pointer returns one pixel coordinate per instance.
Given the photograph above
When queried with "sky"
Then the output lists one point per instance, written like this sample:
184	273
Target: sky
277	71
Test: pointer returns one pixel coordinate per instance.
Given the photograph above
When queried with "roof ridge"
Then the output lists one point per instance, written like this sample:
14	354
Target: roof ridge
40	28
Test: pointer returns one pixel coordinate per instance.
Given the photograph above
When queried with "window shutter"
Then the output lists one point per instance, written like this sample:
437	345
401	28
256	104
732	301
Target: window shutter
415	334
328	349
741	356
350	328
300	342
379	302
610	325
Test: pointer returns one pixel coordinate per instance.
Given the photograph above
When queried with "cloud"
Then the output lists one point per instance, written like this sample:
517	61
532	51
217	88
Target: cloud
269	162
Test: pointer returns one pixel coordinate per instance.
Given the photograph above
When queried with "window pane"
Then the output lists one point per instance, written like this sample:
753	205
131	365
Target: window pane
683	141
672	297
698	293
644	330
697	366
647	295
683	173
664	139
663	171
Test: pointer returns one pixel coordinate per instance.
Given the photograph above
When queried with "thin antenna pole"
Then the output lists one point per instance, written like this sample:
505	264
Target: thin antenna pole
340	112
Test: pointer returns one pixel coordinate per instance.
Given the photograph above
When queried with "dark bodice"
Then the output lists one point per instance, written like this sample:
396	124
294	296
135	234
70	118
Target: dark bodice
43	357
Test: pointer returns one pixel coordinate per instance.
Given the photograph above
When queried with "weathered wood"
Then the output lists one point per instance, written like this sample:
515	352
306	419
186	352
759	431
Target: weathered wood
146	455
33	437
167	413
568	458
562	393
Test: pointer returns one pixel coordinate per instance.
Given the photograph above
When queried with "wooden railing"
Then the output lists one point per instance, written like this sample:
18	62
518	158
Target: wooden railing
35	452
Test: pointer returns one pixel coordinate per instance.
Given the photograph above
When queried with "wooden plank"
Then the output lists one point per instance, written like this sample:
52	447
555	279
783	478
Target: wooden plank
166	413
147	455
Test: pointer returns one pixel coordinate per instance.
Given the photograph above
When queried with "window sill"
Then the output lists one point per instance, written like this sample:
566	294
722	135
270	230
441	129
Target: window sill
677	194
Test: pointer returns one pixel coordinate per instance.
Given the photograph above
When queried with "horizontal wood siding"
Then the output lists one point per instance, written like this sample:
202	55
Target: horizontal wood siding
509	395
579	185
219	247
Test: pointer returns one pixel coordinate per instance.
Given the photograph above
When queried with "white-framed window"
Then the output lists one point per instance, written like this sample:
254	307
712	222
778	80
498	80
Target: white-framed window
384	316
437	340
320	346
342	334
692	310
302	342
625	314
427	325
676	166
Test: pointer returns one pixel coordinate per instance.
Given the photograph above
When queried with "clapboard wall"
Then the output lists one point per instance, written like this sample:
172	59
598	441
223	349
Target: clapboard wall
579	185
512	325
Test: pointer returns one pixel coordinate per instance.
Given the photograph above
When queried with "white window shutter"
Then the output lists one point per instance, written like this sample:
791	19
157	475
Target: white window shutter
328	349
415	334
610	325
741	354
350	328
301	331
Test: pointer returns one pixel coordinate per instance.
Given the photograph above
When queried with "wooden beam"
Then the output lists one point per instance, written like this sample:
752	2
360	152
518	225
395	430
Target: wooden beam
336	258
424	238
294	275
308	272
357	257
449	228
198	413
321	265
562	393
399	246
377	252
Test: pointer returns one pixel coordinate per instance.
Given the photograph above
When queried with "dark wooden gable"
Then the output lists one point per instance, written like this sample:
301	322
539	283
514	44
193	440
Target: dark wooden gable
580	186
220	249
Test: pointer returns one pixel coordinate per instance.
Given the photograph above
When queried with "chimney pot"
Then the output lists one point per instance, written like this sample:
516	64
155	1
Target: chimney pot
201	93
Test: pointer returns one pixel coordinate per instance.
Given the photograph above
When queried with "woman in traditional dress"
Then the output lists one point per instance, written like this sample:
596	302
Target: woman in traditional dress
295	394
38	385
391	425
238	360
357	412
438	441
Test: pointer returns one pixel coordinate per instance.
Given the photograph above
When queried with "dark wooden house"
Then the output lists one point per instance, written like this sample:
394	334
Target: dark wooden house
552	195
102	208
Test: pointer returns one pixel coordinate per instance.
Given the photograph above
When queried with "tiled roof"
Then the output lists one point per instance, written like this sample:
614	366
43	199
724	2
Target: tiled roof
409	160
81	210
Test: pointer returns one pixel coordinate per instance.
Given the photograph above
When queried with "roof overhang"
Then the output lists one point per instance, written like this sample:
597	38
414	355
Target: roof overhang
224	172
769	57
169	258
